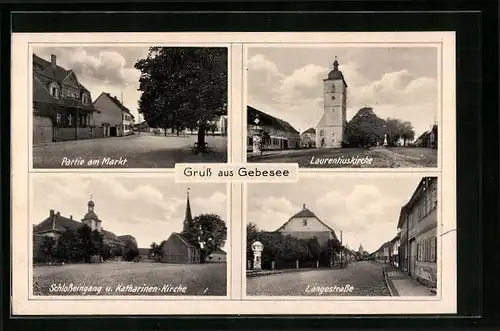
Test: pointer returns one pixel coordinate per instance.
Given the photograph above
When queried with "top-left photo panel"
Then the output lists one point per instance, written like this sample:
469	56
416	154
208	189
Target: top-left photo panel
128	106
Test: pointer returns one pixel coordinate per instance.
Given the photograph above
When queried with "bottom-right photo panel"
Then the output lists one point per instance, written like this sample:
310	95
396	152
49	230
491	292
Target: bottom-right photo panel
364	236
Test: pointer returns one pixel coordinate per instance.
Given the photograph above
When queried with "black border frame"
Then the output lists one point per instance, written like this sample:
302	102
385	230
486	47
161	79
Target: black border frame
477	134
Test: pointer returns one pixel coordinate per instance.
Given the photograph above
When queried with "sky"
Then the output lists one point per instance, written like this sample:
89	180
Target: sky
102	69
148	208
365	209
396	82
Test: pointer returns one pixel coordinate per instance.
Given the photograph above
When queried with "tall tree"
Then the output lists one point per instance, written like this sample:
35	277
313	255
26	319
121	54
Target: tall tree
85	242
365	128
407	133
183	87
210	232
48	247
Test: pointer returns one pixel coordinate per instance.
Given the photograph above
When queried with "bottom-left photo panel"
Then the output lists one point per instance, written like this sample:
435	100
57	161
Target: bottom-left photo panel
141	235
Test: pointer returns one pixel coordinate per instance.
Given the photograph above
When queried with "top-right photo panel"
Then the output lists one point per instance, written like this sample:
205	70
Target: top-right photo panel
344	106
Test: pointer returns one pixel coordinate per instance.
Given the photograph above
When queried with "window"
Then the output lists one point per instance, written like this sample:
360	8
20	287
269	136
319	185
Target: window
332	89
70	119
58	118
427	250
85	99
54	91
321	133
433	249
304	222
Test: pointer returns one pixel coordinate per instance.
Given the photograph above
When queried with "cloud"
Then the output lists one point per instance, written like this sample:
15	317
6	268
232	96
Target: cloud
102	69
296	94
365	210
146	208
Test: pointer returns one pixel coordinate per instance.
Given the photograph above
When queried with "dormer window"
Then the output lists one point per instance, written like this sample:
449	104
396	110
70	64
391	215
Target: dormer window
54	90
85	99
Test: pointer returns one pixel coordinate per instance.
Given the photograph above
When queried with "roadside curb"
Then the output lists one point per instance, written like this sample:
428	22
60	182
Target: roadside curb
269	272
389	284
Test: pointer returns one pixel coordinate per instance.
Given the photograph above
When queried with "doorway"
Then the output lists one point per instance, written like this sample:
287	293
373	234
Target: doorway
112	131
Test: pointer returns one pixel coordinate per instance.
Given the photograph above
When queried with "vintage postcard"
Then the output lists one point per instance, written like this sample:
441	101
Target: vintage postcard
138	106
366	236
347	106
233	173
133	235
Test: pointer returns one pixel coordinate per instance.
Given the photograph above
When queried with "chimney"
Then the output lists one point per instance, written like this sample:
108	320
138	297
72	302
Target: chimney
58	214
53	60
70	217
51	213
304	206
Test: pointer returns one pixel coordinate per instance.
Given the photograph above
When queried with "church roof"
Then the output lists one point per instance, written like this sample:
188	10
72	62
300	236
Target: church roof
336	74
184	240
91	215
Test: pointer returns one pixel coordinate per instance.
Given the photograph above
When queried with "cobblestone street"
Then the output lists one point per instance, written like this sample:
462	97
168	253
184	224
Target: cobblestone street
141	151
382	157
365	278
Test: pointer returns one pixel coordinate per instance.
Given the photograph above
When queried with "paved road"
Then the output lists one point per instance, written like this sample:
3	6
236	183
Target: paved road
144	151
365	278
381	157
195	279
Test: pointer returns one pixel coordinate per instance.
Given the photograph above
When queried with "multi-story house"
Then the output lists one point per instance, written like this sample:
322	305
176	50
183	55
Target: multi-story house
112	116
418	233
62	106
276	133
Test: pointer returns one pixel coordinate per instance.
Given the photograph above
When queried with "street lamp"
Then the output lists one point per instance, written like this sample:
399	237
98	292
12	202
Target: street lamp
256	136
257	248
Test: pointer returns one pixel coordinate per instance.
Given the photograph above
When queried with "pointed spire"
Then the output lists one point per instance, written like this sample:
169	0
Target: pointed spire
335	64
188	218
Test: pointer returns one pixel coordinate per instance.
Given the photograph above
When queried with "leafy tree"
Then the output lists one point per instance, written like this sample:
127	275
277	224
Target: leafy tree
212	127
365	128
408	133
156	251
106	252
48	247
68	247
130	251
97	243
183	87
86	244
212	233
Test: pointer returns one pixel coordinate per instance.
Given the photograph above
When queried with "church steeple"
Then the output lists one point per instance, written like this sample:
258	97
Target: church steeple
188	218
90	204
335	64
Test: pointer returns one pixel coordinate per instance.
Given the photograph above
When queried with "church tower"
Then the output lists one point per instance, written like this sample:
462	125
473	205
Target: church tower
90	218
188	218
330	131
